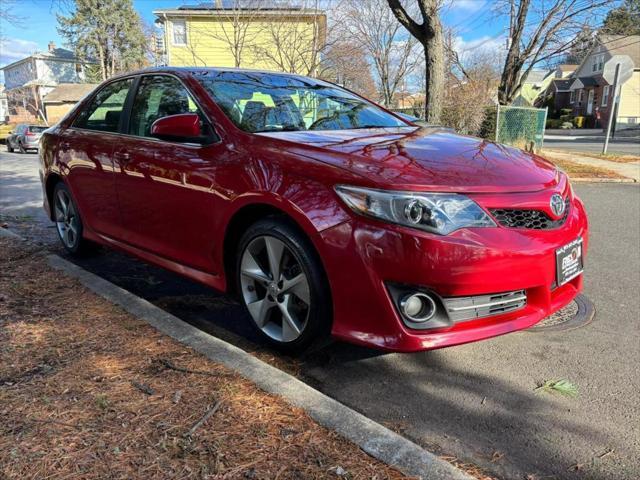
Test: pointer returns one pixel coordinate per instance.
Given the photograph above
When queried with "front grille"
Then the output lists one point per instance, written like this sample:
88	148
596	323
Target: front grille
533	219
461	309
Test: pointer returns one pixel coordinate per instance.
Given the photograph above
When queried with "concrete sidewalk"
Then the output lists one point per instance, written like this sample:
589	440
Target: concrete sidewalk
629	170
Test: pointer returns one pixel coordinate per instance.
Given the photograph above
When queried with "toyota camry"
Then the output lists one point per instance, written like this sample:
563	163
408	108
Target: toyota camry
325	214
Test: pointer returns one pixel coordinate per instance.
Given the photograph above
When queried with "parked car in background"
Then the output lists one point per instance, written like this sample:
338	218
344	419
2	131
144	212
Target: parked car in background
25	137
323	212
5	131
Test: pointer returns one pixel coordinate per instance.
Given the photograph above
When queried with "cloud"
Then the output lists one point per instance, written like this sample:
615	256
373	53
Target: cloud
12	49
467	5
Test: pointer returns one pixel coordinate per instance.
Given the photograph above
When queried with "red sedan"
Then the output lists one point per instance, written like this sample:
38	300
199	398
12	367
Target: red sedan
325	213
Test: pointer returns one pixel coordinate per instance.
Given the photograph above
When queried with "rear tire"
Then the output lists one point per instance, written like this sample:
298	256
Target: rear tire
283	286
9	147
68	222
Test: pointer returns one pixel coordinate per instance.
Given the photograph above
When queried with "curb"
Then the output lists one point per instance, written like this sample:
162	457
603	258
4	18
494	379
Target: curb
376	440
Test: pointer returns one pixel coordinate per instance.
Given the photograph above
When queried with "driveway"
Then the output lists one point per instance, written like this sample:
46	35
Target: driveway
476	401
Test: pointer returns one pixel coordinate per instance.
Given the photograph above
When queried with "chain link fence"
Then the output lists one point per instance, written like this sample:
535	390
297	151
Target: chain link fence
521	127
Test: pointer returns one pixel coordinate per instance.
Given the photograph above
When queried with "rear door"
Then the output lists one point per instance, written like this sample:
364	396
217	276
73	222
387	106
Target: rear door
85	154
167	189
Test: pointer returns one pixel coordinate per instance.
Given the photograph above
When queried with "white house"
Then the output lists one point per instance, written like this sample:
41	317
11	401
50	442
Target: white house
29	80
592	95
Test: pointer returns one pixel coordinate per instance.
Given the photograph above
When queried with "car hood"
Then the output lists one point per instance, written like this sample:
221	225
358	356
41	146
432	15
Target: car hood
427	158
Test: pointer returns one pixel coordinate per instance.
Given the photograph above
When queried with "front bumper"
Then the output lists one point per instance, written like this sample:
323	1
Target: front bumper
363	256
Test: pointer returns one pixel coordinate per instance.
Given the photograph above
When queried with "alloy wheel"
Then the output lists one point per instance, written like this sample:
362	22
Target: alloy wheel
275	288
67	219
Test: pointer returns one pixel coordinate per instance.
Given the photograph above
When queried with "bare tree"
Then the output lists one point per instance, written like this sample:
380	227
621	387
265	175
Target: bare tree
539	31
27	100
294	42
472	81
371	25
345	63
237	28
429	33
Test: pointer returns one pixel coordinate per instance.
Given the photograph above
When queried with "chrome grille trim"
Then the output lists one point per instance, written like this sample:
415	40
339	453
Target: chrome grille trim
460	309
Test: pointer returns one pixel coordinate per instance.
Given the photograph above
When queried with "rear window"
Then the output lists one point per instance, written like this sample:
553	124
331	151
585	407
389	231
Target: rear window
37	129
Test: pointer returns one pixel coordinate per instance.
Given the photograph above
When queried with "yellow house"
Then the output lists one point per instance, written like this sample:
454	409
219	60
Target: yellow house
248	34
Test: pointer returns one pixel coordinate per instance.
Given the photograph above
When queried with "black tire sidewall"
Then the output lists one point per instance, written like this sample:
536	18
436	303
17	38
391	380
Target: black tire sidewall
318	325
80	242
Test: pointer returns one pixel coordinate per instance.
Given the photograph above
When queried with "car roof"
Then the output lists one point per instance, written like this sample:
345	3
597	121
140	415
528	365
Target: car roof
188	71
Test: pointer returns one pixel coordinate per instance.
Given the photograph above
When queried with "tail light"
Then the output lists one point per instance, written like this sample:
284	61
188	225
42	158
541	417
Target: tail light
30	134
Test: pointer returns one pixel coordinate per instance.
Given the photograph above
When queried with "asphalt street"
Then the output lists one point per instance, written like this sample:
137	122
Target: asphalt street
594	144
477	401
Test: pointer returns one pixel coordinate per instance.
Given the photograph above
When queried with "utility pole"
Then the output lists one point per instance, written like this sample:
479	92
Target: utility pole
614	108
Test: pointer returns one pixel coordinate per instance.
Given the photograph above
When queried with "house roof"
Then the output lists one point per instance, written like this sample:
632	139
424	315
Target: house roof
562	84
69	92
57	54
536	76
240	5
623	45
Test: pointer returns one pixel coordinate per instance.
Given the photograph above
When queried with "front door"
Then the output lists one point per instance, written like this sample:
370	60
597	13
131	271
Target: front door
166	189
590	102
86	149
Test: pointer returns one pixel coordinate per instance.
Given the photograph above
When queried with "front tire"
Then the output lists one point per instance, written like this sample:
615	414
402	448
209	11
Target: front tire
68	221
283	286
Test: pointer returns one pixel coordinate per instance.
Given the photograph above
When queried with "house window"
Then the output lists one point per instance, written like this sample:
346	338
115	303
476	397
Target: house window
179	32
580	95
572	97
598	63
605	95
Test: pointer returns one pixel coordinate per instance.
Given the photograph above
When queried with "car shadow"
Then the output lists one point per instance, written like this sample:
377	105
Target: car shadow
435	398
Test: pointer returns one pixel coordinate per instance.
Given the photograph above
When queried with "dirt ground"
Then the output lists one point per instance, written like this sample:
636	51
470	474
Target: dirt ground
88	391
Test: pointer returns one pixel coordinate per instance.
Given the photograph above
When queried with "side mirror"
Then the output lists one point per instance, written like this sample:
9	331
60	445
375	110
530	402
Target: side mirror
184	127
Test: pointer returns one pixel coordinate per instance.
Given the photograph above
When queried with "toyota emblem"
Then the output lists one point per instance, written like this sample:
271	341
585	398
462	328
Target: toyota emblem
557	204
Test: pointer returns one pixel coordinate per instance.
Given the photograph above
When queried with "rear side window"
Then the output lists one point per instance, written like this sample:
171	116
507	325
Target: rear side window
157	97
105	110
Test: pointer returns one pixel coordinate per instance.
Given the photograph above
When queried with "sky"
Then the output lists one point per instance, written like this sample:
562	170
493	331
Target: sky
473	24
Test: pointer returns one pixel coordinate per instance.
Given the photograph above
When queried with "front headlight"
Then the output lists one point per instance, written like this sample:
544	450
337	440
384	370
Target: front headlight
440	213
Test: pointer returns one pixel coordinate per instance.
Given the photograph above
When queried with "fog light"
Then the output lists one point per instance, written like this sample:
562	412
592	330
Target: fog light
418	307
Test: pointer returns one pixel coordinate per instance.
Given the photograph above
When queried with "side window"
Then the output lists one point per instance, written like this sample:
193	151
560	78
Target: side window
105	110
157	97
179	32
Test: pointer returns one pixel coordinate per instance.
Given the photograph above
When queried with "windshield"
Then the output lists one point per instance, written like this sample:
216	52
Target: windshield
261	102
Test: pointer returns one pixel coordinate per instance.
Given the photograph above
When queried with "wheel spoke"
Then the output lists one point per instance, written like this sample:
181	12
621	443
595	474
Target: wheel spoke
275	248
299	286
260	311
65	237
251	269
59	214
290	329
63	202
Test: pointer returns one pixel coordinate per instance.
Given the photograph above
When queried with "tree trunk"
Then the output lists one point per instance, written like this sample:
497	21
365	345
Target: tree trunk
434	76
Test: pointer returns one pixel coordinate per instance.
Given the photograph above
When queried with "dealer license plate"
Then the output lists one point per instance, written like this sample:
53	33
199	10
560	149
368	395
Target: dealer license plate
569	261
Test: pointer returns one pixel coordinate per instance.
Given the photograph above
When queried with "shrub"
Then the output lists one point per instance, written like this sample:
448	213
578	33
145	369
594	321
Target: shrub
553	123
566	125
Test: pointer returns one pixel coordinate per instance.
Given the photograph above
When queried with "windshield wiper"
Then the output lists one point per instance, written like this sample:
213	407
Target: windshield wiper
286	128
